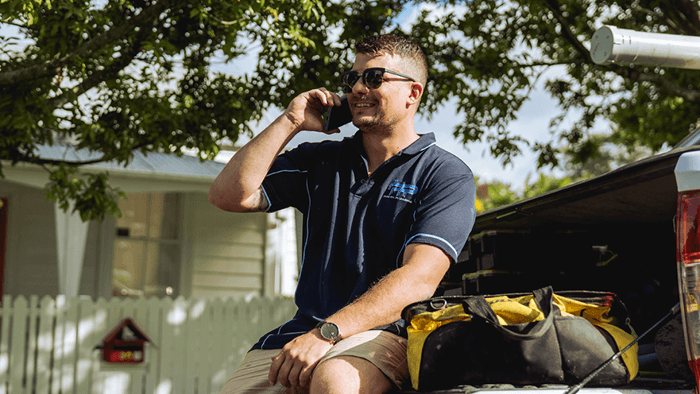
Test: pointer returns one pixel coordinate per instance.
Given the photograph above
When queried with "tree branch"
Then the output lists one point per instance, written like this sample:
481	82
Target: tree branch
667	85
687	16
553	6
49	68
127	56
558	63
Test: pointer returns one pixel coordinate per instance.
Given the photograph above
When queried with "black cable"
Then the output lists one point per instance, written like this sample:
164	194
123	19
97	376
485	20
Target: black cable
669	315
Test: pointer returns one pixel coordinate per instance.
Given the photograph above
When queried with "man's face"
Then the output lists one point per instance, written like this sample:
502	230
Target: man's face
377	110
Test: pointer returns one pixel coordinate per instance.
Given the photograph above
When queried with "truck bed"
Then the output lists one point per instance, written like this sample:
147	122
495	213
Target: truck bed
625	217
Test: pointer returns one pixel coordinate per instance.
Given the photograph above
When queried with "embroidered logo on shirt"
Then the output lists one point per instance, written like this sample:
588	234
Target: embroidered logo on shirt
401	191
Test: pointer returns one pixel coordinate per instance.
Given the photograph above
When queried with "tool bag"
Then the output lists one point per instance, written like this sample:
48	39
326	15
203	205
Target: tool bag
520	339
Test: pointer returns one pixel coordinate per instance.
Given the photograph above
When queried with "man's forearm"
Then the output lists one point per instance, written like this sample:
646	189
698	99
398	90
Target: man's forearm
382	304
234	189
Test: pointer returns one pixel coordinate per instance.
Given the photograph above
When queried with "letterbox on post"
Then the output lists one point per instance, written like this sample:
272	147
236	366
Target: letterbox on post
124	344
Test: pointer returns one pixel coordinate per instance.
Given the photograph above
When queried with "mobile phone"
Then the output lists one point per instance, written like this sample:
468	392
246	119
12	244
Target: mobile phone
338	115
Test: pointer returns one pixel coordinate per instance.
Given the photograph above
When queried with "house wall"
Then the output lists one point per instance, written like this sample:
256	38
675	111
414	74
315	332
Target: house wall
226	250
224	254
31	265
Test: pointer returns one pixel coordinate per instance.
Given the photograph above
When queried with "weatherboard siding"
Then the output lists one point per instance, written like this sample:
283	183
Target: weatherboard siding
31	265
227	251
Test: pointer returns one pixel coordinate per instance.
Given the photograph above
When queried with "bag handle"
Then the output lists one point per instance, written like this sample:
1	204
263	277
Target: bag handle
478	307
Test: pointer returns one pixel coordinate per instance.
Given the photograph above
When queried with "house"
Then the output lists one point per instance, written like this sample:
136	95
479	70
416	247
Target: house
170	240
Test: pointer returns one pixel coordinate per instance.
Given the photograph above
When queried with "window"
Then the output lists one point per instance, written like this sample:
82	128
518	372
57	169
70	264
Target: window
147	246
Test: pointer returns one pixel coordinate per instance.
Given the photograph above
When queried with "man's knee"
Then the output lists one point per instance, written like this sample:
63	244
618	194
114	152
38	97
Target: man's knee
348	374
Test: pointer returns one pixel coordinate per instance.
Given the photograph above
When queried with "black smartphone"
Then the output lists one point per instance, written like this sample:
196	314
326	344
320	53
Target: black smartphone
338	115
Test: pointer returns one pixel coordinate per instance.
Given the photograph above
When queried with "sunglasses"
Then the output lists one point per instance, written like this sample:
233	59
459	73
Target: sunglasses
371	77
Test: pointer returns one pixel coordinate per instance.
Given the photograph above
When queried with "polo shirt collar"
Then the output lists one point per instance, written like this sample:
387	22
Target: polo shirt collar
422	143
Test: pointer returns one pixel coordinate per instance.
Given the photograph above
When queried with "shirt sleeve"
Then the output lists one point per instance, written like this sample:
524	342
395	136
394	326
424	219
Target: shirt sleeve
446	212
286	184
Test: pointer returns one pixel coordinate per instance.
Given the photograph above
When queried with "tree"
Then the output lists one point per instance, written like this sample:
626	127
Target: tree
492	53
118	76
497	194
114	77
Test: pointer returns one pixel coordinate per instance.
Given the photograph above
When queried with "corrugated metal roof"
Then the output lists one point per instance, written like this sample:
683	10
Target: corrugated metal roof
151	164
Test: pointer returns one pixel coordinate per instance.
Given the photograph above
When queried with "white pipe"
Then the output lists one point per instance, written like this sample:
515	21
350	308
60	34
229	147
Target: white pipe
611	45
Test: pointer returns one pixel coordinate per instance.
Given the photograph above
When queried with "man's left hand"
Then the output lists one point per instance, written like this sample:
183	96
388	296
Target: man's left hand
294	365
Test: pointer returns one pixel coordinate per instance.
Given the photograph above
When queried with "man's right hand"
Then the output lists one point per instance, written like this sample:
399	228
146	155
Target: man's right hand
306	110
295	363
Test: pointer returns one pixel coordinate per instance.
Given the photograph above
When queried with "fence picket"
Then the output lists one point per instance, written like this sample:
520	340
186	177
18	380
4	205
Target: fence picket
20	312
114	313
58	344
100	320
87	340
180	341
205	353
193	338
140	316
215	344
133	375
170	318
32	343
127	309
45	343
70	342
152	319
228	344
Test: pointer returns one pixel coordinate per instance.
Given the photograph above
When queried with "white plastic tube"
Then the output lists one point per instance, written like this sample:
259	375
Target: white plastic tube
611	45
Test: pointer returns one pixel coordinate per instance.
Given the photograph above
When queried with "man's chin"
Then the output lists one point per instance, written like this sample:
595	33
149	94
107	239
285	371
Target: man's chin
364	123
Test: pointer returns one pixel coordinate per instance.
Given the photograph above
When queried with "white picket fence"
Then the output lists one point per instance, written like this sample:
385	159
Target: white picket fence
47	345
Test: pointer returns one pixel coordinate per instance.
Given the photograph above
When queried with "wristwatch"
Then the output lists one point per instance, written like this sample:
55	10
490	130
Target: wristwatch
329	331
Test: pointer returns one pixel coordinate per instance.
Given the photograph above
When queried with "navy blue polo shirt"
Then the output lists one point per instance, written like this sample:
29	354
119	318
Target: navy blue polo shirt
356	227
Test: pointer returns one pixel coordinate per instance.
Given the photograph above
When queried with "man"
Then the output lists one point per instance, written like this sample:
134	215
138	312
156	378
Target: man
385	214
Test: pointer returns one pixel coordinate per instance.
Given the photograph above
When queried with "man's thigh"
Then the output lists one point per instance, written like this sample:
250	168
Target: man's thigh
251	375
384	350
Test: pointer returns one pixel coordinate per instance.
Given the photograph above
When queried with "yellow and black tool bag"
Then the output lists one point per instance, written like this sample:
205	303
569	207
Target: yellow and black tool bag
521	339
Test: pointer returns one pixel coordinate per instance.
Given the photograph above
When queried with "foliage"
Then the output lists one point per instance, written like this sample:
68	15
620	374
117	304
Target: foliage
117	76
121	76
497	194
490	54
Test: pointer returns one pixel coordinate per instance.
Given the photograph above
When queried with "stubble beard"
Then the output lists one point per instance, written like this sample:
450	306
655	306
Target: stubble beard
376	125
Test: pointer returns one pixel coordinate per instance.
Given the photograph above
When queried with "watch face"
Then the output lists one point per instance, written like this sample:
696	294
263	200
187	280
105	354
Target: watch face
330	331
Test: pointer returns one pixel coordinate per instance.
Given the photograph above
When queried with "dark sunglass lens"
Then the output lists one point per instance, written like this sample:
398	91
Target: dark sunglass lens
348	81
373	77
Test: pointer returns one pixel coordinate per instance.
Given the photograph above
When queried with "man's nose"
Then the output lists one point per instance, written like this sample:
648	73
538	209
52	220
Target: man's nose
360	87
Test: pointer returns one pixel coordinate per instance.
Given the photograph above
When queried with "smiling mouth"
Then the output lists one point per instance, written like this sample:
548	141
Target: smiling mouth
364	105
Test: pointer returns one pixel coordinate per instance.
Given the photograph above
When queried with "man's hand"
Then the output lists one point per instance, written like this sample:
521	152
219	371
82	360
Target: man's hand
306	110
294	365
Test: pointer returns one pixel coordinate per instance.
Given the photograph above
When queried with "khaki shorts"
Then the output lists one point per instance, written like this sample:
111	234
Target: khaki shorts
383	349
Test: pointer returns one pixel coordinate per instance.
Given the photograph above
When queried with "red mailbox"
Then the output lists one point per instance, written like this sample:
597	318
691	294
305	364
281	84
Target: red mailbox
124	344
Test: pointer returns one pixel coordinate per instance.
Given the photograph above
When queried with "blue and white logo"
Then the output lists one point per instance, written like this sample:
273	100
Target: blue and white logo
401	191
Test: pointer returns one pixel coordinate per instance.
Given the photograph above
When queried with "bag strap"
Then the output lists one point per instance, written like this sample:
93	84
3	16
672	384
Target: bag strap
478	307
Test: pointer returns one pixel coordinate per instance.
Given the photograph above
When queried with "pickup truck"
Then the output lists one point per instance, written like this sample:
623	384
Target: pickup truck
634	231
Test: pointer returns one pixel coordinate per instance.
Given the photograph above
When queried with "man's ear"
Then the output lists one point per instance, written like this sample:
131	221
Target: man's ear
415	95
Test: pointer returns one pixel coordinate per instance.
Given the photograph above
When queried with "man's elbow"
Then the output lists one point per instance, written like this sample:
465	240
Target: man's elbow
222	201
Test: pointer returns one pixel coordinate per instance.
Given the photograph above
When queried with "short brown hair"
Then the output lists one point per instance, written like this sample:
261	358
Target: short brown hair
391	44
